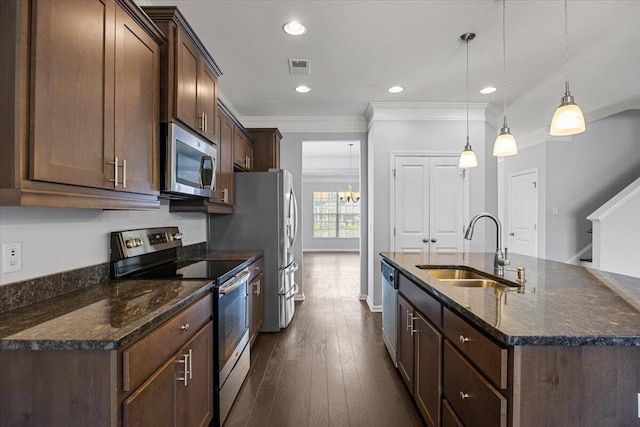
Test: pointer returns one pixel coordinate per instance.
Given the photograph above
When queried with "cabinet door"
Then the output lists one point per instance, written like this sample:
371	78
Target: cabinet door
249	155
207	97
187	56
137	61
152	404
405	342
224	177
255	307
239	147
72	79
194	396
428	374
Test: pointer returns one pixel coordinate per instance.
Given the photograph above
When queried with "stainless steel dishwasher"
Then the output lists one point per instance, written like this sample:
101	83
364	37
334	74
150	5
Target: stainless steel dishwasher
390	309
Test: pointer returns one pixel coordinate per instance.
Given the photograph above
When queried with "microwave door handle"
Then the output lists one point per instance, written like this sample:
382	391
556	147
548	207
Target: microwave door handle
203	160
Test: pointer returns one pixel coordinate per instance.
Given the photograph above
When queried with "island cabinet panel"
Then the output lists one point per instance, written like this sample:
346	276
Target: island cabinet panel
576	386
491	358
419	359
449	418
424	302
475	400
83	99
255	298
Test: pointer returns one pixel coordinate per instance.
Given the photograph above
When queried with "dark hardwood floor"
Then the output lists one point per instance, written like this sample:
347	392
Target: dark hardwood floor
329	366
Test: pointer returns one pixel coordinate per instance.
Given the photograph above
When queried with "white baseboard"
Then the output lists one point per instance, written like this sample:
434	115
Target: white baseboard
575	260
373	308
363	297
299	297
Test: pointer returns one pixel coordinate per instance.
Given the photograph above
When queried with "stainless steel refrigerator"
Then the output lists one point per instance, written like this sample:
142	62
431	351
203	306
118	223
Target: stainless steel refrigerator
265	218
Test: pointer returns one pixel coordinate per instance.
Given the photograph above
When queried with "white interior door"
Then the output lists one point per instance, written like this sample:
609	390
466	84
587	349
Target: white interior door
446	205
523	213
411	204
428	204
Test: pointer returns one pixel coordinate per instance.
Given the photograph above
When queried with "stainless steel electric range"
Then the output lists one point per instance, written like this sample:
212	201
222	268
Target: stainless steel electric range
151	254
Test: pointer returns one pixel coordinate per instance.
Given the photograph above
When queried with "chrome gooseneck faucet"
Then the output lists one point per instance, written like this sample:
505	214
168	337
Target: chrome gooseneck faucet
500	258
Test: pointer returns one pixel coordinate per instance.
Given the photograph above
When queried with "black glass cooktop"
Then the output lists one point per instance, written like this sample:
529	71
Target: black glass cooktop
219	270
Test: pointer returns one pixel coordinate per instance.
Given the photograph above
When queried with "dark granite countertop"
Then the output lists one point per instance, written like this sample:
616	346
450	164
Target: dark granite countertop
562	304
101	317
105	315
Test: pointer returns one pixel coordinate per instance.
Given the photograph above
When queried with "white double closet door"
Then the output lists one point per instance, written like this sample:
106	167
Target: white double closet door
428	204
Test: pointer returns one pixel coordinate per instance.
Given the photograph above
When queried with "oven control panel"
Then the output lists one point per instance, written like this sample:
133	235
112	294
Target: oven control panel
126	244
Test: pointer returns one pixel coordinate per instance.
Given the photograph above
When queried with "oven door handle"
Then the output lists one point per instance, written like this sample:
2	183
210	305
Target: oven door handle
234	283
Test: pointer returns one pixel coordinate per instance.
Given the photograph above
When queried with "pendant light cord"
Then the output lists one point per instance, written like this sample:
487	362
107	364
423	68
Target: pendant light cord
467	42
504	58
566	40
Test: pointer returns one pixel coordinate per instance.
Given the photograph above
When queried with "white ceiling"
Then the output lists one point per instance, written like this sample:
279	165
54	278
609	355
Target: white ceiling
360	48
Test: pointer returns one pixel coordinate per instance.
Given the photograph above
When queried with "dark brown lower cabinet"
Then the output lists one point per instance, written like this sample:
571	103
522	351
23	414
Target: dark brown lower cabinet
419	360
449	418
180	390
256	288
428	370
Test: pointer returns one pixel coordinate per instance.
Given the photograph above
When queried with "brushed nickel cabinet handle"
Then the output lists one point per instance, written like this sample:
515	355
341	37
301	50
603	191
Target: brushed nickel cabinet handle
124	174
225	195
408	320
190	364
258	288
184	327
413	330
185	362
464	395
115	172
464	339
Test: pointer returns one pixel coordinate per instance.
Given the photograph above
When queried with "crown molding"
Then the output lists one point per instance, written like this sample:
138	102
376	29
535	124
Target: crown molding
601	113
229	106
309	124
426	111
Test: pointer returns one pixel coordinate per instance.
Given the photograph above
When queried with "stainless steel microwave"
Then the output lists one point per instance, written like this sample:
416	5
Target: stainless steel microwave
188	164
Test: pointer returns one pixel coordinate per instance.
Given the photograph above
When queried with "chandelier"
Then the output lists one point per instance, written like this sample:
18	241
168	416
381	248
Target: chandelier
349	195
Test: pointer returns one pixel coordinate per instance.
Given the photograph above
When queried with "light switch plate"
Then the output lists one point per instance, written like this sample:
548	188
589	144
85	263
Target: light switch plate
11	257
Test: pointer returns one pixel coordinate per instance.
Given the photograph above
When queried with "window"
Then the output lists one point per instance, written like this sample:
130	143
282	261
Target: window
333	218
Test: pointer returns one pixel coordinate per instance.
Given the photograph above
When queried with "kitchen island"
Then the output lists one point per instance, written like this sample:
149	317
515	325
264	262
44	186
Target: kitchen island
564	349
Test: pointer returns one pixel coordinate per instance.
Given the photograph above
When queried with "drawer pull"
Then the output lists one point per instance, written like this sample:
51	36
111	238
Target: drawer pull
464	339
464	395
184	327
408	320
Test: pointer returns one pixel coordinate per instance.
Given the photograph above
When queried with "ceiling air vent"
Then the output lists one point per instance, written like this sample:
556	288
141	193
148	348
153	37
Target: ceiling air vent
300	67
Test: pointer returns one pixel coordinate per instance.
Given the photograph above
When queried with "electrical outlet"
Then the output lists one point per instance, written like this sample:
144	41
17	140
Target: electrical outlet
11	257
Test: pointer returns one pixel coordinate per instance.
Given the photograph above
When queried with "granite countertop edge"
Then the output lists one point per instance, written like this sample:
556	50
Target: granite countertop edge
105	344
517	340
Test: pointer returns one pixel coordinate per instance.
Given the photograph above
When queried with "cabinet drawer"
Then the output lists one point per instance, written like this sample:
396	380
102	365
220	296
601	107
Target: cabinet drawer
145	356
488	356
476	402
449	418
421	300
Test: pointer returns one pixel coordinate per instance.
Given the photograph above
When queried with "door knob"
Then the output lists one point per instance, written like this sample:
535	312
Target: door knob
433	240
512	234
425	240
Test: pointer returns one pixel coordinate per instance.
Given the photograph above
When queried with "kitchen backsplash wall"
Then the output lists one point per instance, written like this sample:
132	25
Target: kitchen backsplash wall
59	239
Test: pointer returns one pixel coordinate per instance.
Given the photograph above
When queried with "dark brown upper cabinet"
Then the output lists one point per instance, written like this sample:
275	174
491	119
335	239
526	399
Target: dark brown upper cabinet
80	117
266	152
189	75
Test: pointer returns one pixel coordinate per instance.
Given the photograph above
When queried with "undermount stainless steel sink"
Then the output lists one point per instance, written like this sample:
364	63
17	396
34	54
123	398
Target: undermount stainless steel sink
463	278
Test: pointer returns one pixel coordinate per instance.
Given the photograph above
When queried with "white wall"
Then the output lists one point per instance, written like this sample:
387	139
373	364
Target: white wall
387	136
291	159
310	243
59	239
577	175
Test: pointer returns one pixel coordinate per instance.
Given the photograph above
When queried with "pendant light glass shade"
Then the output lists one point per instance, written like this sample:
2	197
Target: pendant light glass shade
505	144
568	118
468	158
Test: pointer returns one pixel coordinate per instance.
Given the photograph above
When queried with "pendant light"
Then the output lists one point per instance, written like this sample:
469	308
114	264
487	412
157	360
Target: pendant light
505	144
349	195
568	118
467	157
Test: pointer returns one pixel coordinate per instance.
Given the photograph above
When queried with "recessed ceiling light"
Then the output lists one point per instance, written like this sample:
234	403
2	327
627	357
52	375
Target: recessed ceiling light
395	89
487	90
294	28
303	89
